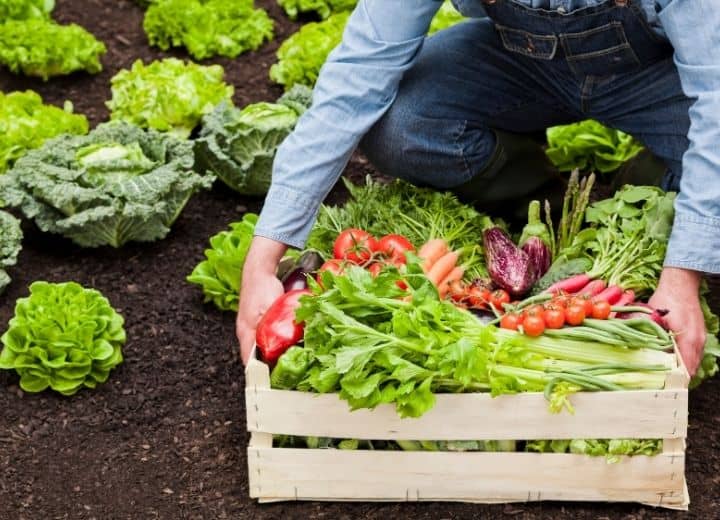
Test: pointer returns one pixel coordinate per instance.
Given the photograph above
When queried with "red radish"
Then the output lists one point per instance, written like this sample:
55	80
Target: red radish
570	285
592	289
627	298
611	295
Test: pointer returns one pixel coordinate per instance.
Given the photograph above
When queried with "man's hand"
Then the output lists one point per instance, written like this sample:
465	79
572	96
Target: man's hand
259	289
678	292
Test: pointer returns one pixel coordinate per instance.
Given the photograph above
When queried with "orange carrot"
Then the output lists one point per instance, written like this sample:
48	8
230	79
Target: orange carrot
442	267
431	252
455	275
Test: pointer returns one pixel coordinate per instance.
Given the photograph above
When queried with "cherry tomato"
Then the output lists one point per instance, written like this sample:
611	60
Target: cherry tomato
575	314
534	310
498	298
510	321
402	284
553	306
554	318
560	300
354	245
375	268
394	246
478	297
601	310
335	266
586	303
533	326
458	291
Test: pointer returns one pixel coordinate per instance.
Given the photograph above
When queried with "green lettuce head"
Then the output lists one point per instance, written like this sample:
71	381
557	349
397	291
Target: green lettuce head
64	337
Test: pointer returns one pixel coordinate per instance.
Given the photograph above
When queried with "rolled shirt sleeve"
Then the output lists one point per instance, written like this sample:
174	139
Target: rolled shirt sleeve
355	87
693	27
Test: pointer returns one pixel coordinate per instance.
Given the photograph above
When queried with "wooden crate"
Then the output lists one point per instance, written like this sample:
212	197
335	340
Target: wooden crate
279	474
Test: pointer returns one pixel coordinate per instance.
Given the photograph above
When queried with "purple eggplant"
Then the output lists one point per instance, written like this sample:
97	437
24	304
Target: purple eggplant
296	277
539	255
510	267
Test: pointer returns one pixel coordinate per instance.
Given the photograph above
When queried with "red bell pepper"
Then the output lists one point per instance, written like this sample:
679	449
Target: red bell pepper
277	331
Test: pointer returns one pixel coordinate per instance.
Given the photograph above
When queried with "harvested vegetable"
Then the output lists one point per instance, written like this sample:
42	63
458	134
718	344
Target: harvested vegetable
220	273
63	337
117	184
509	266
26	123
167	95
26	9
278	329
323	8
44	49
10	244
208	27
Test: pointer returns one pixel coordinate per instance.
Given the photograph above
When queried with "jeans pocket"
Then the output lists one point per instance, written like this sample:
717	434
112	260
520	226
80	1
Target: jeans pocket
602	51
542	47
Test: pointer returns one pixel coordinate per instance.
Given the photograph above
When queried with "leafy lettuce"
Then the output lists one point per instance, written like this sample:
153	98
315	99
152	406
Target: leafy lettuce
63	337
10	245
44	49
220	273
590	146
25	123
446	17
208	27
324	8
115	185
25	9
612	449
239	145
167	95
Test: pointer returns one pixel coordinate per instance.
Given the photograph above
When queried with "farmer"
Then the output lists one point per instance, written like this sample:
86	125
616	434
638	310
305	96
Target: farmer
459	111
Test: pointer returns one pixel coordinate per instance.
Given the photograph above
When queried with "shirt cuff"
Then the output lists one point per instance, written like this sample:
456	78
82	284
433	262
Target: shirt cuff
694	244
287	216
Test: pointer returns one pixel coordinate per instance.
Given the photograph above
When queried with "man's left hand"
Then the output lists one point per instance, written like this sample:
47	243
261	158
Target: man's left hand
679	292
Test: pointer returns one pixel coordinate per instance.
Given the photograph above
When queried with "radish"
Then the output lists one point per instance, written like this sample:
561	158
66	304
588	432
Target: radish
611	295
626	299
592	289
570	285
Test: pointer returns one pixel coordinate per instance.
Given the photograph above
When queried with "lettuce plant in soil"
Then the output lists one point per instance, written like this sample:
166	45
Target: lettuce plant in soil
64	337
26	123
208	27
239	146
323	8
44	49
26	9
117	184
10	245
168	95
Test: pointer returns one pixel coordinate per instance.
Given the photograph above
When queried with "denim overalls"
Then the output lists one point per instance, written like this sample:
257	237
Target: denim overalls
471	113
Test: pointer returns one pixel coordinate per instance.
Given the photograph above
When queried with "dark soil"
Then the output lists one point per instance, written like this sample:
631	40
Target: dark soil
165	437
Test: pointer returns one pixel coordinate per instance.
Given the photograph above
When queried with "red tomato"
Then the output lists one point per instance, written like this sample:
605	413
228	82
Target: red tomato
394	246
335	266
561	300
354	245
375	268
510	321
535	310
601	310
554	318
498	298
575	314
586	303
533	326
478	297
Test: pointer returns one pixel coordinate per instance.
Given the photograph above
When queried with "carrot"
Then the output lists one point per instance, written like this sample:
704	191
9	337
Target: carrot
442	267
455	275
431	252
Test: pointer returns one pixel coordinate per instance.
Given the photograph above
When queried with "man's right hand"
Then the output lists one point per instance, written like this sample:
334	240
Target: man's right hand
259	289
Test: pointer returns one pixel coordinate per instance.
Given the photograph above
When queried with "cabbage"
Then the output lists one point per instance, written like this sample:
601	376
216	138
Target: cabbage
10	244
220	273
117	184
239	145
45	49
25	123
324	8
167	95
590	146
64	337
208	27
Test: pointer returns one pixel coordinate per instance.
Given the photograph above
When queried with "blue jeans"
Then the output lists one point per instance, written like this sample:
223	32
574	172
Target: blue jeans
521	71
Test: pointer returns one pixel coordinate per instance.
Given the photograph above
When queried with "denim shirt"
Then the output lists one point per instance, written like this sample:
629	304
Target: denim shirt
361	77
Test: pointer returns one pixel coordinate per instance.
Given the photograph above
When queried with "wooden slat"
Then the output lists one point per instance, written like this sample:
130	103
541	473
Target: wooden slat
291	474
631	414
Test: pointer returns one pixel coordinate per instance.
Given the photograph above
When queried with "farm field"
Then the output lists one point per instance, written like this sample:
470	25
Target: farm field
165	437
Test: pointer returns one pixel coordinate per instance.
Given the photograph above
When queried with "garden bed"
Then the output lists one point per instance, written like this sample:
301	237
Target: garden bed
165	438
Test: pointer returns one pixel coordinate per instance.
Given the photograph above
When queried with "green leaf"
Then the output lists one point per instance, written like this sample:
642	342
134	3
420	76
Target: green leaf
26	9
